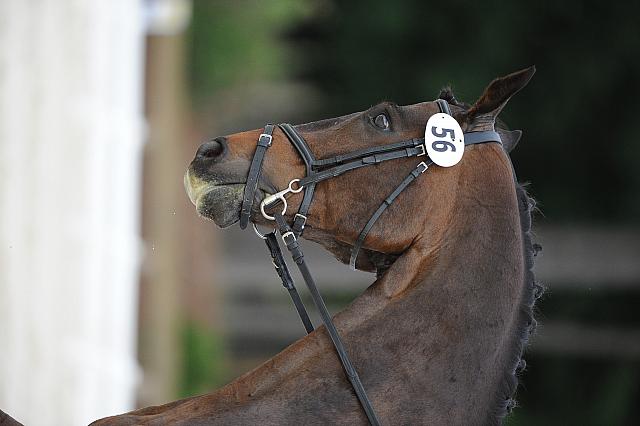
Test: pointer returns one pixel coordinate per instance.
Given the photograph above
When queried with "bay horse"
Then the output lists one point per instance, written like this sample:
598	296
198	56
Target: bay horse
438	337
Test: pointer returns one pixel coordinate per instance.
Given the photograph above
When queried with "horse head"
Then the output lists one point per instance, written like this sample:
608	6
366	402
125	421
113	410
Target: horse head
215	179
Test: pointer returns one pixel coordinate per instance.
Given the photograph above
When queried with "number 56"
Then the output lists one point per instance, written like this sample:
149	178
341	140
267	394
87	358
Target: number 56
442	146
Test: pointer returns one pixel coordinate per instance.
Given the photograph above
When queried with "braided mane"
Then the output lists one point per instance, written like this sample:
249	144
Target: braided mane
526	323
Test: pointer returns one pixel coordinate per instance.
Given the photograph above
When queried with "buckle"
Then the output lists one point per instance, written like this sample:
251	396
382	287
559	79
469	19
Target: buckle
424	167
266	136
304	220
422	150
288	234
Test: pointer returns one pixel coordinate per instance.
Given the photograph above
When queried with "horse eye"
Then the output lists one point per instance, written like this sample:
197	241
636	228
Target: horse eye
381	121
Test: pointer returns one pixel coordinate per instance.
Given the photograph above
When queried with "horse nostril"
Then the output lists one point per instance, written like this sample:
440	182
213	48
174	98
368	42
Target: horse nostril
211	149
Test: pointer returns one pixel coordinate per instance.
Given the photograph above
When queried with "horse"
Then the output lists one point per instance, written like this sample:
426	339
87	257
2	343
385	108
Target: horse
7	420
438	337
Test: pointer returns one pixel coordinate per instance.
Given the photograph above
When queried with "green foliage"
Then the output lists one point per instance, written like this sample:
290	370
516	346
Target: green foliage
203	367
236	42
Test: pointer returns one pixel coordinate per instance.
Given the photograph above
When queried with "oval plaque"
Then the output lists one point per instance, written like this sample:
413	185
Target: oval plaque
444	140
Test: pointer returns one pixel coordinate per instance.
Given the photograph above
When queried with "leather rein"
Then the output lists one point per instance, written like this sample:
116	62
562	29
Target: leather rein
318	170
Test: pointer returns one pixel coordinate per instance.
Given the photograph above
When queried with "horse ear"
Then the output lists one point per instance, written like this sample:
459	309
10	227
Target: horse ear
482	115
510	138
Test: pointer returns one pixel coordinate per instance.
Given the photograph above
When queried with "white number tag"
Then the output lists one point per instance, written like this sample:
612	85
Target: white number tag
444	140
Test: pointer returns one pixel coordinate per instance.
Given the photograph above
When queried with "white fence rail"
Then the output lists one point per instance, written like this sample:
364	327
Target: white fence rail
71	129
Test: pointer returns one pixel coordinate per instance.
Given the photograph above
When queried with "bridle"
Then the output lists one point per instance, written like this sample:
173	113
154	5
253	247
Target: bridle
318	170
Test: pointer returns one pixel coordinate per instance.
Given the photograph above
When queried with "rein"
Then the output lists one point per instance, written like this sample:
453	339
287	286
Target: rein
318	170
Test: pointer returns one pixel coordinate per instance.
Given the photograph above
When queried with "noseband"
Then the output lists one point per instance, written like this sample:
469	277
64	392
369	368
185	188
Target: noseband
318	170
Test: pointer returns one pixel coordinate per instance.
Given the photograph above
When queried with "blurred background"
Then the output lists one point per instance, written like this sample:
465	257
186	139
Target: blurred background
115	295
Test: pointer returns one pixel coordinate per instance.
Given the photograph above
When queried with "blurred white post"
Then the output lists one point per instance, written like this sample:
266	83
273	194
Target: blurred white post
71	131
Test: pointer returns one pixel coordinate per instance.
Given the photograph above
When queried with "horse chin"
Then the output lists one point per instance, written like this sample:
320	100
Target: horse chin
220	203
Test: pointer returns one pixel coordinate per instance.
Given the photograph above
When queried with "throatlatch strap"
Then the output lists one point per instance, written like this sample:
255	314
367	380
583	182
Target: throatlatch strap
287	281
264	142
291	242
422	167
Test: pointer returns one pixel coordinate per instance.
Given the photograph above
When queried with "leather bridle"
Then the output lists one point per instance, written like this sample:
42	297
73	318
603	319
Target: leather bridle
318	170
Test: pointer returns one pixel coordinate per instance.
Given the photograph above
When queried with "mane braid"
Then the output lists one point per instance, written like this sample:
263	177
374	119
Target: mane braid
526	324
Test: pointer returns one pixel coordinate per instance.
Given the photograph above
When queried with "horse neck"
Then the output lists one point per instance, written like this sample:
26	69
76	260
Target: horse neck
444	323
